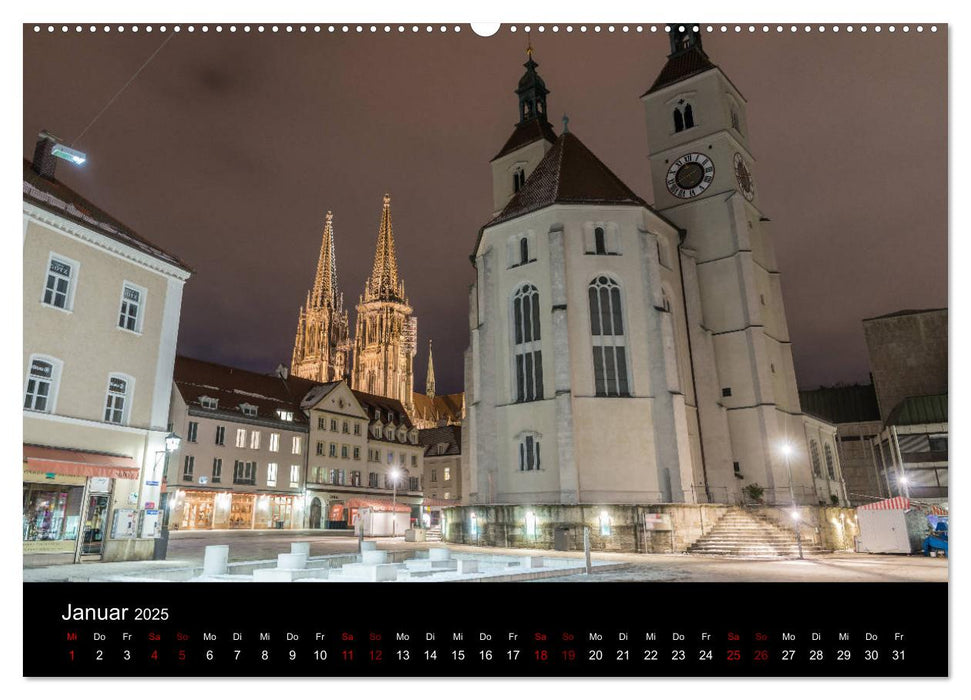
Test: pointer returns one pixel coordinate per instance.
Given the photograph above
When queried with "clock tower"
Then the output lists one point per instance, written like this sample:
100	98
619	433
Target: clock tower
702	173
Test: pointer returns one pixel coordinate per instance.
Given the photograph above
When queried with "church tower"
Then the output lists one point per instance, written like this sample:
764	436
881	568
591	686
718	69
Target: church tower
532	137
430	374
387	331
701	168
321	346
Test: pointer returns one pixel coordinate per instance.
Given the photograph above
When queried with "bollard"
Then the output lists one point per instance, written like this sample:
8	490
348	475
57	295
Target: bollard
216	559
300	548
586	547
360	540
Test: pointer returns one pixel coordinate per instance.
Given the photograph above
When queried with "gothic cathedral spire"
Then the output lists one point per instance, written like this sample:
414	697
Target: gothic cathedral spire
430	375
321	345
385	339
384	283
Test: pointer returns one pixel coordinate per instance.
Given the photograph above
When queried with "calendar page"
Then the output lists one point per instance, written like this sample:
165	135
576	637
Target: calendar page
676	406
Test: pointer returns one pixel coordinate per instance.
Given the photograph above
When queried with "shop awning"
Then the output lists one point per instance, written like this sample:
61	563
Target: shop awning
904	503
51	460
379	505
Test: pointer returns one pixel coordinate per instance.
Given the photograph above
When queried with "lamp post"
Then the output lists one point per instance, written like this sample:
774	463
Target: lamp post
172	442
394	500
787	450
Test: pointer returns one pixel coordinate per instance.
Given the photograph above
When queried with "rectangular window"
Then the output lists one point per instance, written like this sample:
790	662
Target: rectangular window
357	454
372	480
115	405
333	425
254	440
412	483
193	432
294	476
220	435
240	437
271	474
284	415
390	457
434	475
57	289
343	451
244	473
345	428
448	495
447	474
296	445
529	454
209	403
414	460
321	424
274	442
937	443
217	470
357	428
355	478
132	301
320	448
726	391
332	451
40	386
188	467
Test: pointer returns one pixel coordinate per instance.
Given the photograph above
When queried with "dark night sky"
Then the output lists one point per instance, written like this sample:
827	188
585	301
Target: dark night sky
228	149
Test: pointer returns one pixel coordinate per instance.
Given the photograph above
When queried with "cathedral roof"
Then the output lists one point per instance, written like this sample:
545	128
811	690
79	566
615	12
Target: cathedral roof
568	174
682	65
525	133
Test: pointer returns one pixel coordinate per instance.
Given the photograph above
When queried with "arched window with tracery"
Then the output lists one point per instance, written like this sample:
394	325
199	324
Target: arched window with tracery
609	341
527	356
814	456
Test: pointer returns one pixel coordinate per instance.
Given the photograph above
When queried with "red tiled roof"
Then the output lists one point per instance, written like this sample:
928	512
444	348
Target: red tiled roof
680	66
57	198
527	132
568	174
233	386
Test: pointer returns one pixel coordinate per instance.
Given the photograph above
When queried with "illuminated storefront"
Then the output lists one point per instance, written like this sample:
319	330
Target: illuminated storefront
67	500
201	509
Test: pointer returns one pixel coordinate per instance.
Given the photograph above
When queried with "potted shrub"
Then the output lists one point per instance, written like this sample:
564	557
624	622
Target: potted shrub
754	492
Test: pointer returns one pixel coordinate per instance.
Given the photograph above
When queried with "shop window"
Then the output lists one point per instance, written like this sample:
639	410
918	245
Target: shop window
43	378
51	512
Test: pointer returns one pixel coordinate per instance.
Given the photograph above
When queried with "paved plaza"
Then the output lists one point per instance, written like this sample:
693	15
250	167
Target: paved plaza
187	549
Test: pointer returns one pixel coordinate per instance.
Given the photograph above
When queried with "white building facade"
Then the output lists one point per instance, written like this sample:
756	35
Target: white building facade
621	353
101	320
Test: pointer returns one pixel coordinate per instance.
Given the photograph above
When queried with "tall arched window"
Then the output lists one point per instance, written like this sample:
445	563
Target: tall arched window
689	117
814	456
523	250
599	241
518	178
830	463
609	342
678	120
527	355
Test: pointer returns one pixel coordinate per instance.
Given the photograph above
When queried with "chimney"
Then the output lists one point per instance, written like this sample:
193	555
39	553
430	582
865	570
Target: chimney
44	158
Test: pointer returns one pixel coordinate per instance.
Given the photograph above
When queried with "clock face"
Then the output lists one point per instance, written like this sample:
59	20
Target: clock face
746	182
690	175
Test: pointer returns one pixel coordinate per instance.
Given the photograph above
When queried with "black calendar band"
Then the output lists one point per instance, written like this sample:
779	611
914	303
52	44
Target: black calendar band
504	629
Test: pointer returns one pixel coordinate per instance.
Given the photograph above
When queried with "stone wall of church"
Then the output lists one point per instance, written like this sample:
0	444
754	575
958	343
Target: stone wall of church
654	529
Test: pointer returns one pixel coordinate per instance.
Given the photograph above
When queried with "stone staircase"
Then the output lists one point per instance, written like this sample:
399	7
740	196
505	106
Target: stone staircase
433	534
743	533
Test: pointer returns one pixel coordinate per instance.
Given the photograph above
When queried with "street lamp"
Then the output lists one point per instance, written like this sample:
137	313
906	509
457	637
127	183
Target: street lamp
787	450
394	500
172	442
903	481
